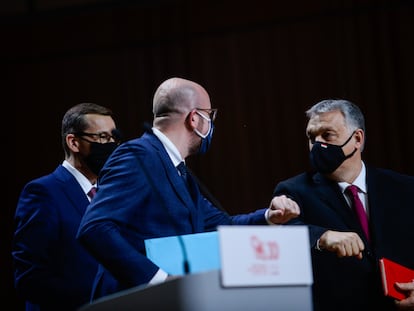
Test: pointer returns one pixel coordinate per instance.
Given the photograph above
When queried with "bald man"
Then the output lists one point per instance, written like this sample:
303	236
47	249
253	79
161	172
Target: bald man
142	195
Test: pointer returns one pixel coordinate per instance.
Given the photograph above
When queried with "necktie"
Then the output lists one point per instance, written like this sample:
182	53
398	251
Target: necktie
92	192
183	171
352	190
187	178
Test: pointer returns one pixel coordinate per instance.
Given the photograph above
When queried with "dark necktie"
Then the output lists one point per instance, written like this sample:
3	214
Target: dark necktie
192	179
92	192
183	171
358	208
182	168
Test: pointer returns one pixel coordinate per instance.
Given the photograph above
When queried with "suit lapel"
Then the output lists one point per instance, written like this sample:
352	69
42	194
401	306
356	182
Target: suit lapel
180	188
332	196
379	200
175	180
72	190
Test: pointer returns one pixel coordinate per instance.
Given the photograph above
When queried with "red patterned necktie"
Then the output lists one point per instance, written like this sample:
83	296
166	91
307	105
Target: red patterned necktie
352	190
92	192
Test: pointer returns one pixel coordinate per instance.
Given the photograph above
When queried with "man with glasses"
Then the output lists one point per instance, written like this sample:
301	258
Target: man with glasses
52	269
145	191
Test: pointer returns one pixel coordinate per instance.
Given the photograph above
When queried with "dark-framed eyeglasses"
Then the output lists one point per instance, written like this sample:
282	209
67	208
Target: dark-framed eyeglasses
102	137
212	113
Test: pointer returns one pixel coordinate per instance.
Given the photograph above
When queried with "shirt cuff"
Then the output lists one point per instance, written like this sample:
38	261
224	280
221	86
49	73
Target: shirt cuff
317	247
159	277
268	220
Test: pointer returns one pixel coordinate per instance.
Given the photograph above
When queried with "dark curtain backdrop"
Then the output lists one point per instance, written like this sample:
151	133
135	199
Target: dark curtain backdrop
263	63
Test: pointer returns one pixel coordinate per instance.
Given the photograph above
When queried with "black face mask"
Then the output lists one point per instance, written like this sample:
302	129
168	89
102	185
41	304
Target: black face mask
98	155
326	158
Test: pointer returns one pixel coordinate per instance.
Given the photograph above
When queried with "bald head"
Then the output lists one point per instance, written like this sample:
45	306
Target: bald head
176	106
177	95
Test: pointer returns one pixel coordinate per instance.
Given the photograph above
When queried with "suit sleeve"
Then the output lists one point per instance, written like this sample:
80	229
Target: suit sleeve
110	226
288	188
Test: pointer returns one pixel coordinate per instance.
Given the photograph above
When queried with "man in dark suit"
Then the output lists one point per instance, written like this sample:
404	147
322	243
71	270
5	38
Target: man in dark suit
141	194
52	269
344	257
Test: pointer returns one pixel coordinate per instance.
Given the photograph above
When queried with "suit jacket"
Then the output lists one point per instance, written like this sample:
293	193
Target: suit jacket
52	269
141	196
349	283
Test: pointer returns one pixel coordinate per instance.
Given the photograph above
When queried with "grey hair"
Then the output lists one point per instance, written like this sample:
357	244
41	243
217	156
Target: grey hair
354	118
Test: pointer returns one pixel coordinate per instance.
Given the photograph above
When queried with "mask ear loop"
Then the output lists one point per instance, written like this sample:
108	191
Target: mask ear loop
209	125
347	141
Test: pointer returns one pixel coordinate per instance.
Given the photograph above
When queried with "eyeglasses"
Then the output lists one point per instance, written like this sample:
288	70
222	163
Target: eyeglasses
102	137
212	113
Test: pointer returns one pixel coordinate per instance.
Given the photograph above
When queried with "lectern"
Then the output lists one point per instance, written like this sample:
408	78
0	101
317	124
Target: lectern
243	268
203	292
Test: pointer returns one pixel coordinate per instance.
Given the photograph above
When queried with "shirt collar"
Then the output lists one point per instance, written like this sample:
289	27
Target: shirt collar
171	149
359	181
80	178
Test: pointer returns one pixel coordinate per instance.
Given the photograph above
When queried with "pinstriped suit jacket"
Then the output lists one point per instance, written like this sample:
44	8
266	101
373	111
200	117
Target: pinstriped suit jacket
349	283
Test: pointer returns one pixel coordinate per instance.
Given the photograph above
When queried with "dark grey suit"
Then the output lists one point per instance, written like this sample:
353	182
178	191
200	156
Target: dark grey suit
349	283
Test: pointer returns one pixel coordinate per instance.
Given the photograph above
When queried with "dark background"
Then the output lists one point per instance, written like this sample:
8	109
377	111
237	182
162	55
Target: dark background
262	62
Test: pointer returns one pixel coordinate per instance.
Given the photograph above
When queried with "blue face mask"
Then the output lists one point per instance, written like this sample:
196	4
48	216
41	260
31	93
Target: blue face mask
207	138
206	141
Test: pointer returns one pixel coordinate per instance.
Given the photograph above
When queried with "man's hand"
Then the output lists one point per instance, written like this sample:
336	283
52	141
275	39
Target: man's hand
408	302
282	209
344	244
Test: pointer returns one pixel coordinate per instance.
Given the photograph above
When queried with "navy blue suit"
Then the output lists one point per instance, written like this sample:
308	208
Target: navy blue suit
52	269
350	283
142	196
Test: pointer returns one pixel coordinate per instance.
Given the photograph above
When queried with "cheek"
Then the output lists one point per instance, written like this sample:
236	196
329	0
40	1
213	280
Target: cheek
206	127
203	127
349	148
84	149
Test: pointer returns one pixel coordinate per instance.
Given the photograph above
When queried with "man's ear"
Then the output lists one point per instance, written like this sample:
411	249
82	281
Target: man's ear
359	137
72	142
191	121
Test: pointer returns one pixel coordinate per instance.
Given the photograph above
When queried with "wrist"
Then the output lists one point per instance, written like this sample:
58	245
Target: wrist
318	245
269	222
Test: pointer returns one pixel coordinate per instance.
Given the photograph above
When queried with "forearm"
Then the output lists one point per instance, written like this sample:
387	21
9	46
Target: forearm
125	262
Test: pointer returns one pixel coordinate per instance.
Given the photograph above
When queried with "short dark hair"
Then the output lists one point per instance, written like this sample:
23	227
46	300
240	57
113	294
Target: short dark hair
74	119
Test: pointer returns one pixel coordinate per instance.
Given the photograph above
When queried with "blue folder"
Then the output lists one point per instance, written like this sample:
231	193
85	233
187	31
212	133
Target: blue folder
200	250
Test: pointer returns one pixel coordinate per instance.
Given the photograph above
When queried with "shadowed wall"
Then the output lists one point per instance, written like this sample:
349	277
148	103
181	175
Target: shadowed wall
263	64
